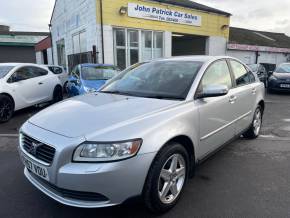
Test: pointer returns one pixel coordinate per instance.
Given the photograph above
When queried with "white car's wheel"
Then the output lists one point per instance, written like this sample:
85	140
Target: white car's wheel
6	108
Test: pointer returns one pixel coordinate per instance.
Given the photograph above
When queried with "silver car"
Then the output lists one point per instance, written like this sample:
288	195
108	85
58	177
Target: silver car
143	133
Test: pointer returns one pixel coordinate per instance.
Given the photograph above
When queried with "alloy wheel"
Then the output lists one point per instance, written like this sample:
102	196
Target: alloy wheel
172	178
6	110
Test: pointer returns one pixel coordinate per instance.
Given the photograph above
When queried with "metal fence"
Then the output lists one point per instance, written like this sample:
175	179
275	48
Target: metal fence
81	58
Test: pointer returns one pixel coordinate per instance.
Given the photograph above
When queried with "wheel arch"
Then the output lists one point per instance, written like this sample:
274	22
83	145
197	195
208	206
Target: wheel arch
262	105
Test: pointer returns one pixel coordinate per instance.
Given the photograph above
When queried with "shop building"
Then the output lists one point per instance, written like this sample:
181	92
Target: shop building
18	46
123	32
259	47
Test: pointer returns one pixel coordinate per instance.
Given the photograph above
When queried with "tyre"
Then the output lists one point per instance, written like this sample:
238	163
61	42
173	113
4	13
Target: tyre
6	108
57	94
254	130
65	88
166	178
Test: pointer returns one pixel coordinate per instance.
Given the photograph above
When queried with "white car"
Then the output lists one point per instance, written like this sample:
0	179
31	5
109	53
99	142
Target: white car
60	72
24	85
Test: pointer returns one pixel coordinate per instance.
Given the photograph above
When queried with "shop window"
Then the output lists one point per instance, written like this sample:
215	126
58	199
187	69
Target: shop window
132	46
79	43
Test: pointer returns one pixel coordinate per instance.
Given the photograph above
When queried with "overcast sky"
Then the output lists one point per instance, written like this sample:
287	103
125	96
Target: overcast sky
268	15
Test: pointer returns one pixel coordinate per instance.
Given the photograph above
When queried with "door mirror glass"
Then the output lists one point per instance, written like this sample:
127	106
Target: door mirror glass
213	91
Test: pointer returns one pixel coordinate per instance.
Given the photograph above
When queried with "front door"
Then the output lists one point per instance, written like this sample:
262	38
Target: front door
216	114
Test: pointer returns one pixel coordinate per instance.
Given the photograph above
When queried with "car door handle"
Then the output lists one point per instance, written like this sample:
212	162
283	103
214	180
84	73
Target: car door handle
254	91
40	83
233	99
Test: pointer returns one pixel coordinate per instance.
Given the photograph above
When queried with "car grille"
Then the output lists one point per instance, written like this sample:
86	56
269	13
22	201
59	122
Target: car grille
78	195
37	149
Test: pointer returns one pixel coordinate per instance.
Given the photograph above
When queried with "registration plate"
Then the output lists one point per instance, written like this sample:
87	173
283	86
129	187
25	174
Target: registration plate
285	85
36	168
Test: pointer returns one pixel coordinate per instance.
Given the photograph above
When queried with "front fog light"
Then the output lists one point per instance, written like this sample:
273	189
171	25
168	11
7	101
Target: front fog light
101	152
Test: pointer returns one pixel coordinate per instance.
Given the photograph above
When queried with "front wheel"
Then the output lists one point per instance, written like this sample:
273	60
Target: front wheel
255	128
6	108
166	178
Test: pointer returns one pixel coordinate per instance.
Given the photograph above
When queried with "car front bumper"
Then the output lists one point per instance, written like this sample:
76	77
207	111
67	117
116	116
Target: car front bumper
113	182
86	185
275	85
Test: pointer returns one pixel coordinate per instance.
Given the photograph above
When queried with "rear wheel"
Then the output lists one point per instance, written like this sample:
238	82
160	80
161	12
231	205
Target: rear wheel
254	130
57	94
6	108
166	178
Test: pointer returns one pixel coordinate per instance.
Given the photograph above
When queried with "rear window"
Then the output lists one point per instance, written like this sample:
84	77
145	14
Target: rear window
55	70
4	70
98	73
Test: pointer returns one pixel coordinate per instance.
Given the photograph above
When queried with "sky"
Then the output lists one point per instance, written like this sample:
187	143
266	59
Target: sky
265	15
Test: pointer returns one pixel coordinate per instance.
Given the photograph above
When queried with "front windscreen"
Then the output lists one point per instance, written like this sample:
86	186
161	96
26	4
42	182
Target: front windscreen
157	79
4	70
98	73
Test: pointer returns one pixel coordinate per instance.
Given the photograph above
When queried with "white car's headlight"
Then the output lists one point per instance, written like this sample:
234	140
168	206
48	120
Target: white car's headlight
103	152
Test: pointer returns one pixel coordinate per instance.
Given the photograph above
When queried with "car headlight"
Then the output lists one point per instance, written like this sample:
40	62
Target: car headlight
89	90
104	152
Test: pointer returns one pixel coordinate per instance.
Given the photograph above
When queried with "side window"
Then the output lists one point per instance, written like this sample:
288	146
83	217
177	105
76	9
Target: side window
242	75
23	73
38	71
217	74
76	72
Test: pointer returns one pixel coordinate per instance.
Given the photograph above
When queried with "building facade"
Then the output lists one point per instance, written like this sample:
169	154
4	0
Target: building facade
123	32
43	51
18	46
258	47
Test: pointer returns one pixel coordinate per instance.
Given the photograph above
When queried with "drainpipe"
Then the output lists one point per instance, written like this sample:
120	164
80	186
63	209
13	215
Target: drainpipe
50	34
102	30
257	57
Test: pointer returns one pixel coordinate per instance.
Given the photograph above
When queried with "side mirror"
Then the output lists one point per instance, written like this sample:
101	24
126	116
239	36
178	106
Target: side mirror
213	91
270	73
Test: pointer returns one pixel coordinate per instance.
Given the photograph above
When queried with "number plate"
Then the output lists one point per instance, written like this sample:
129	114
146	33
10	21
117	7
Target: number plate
285	85
36	168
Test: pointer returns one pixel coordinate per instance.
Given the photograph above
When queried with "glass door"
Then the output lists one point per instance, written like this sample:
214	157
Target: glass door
133	47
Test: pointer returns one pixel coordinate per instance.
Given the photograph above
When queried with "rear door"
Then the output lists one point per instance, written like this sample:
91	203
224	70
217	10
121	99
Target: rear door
217	114
245	91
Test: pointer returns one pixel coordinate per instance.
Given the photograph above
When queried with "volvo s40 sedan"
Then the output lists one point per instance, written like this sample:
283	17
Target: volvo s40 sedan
24	85
143	133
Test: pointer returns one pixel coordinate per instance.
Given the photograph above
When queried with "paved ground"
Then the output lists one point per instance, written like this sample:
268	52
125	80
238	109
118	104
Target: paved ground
245	179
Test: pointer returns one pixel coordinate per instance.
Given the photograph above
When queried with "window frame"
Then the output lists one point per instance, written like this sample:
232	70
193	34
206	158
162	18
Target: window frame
25	67
205	71
126	46
233	74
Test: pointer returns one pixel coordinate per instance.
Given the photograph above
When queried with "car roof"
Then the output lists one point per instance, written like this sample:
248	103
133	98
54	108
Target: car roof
96	65
11	64
199	58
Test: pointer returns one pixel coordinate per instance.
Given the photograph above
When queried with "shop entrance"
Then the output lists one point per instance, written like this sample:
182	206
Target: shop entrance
188	44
